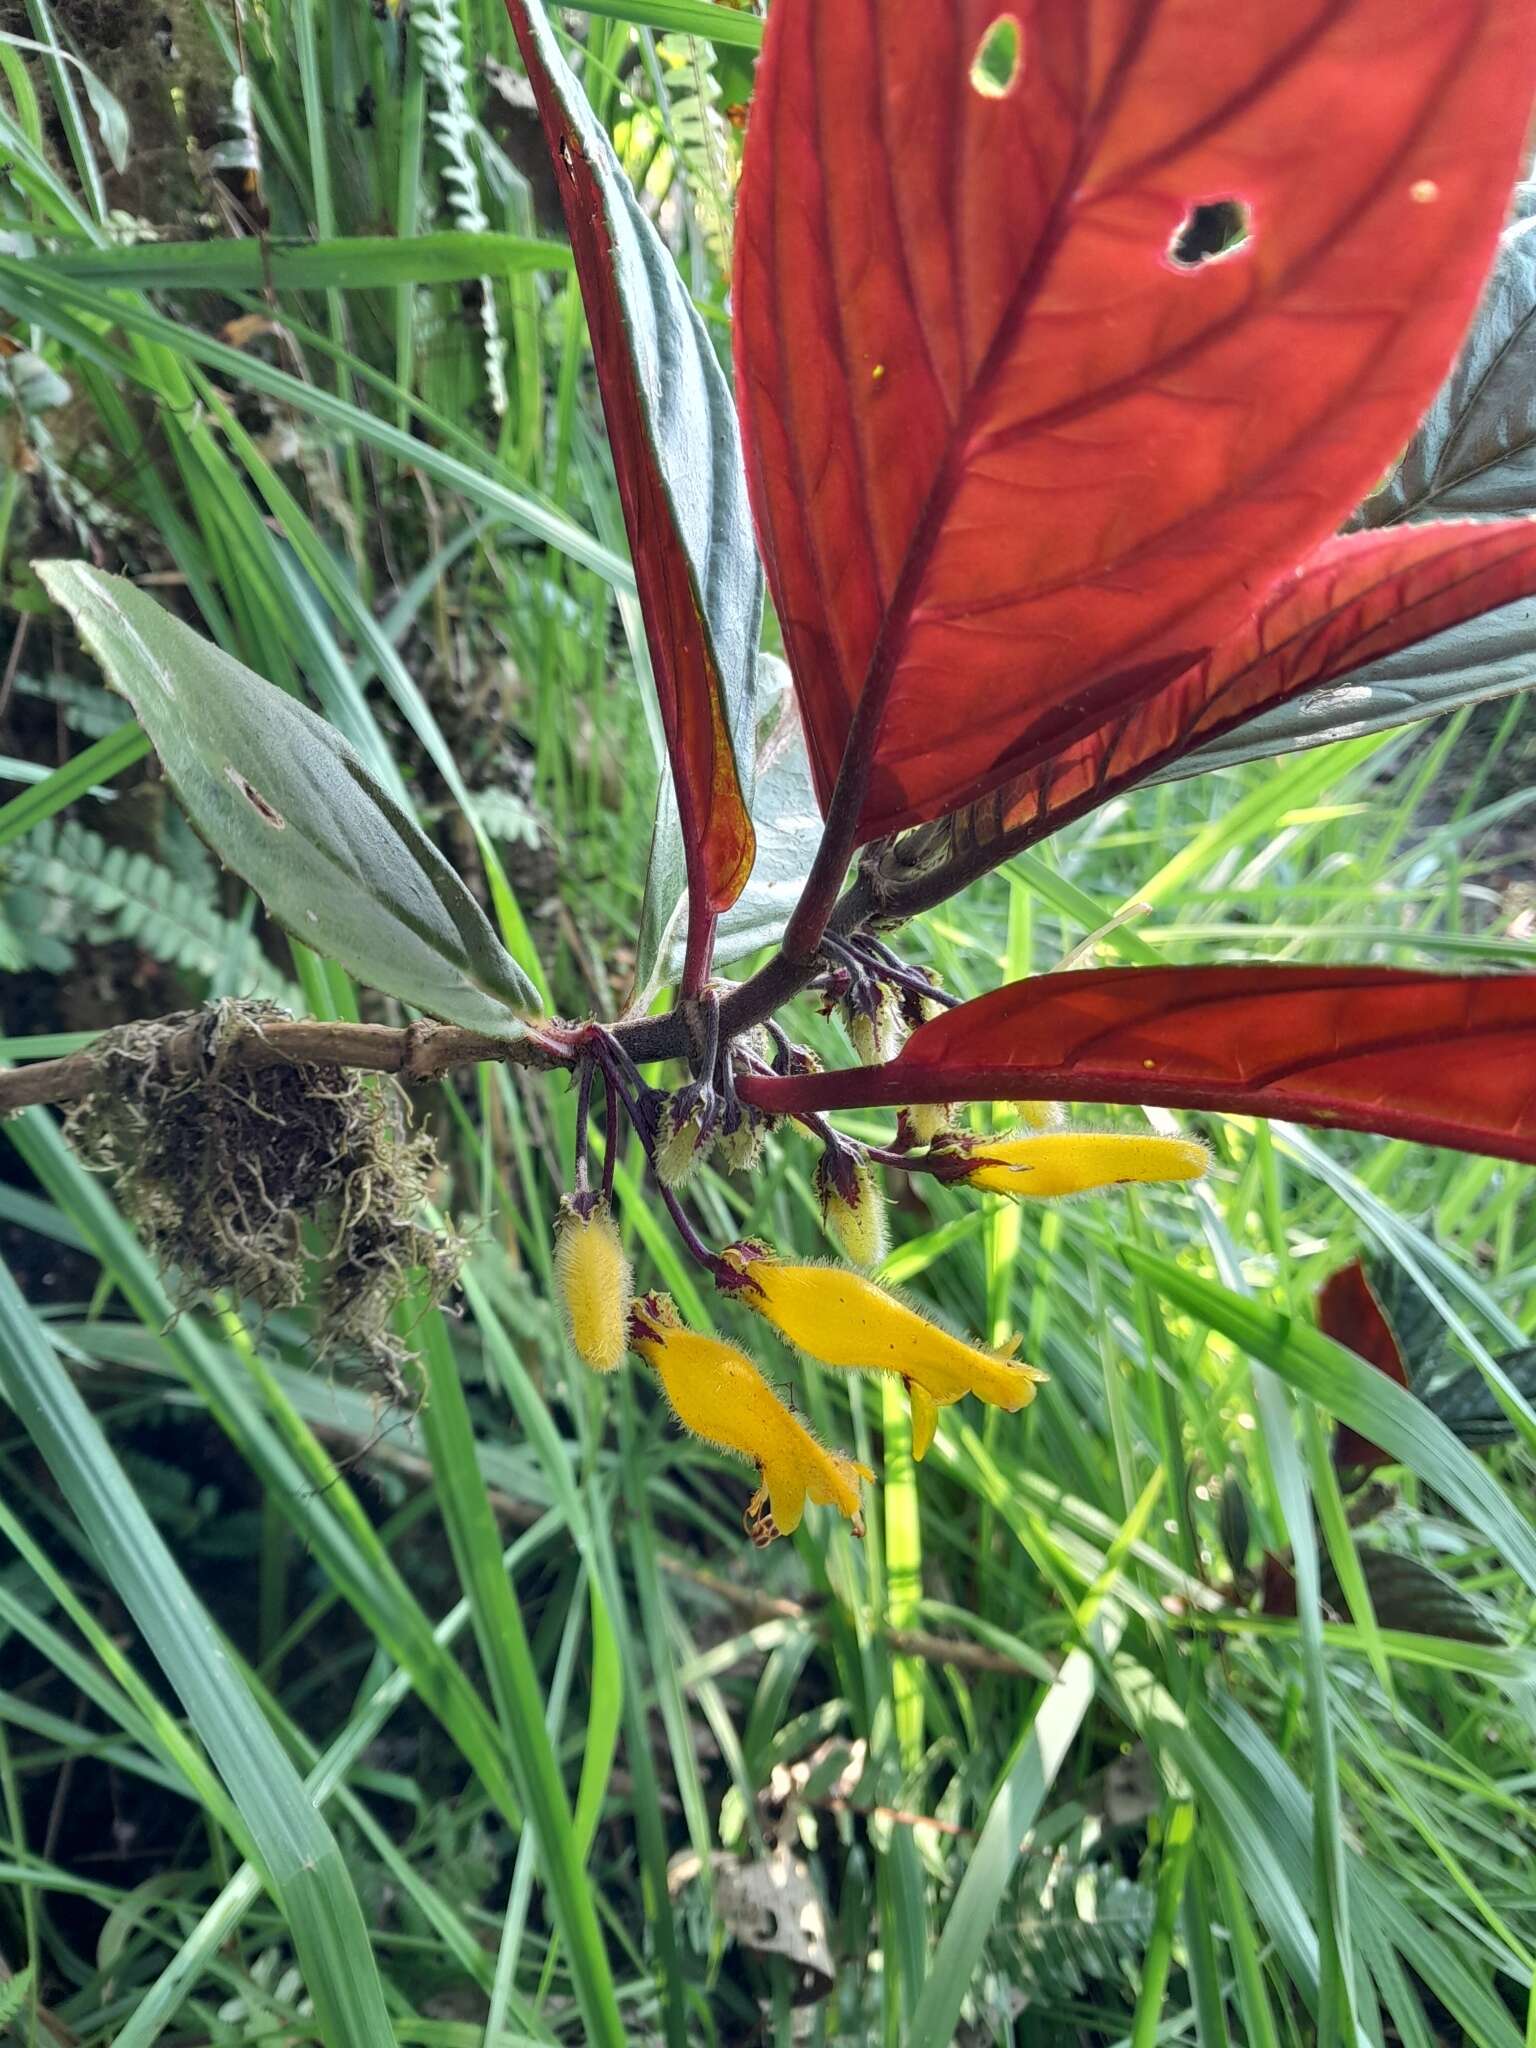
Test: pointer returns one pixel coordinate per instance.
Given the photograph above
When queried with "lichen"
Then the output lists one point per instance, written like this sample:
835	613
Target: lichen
264	1183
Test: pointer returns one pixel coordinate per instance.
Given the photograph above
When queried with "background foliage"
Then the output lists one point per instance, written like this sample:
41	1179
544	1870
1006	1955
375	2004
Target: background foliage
1037	1759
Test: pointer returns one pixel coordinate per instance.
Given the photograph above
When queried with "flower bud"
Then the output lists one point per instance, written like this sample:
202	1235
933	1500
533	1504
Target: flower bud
847	1321
1077	1162
594	1283
923	1123
876	1034
719	1396
1039	1116
680	1138
916	1008
852	1206
740	1146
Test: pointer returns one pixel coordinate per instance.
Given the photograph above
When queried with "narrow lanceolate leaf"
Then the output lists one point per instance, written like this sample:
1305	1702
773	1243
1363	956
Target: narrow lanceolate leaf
1446	1059
1346	1387
1349	1312
677	455
1017	463
1354	599
787	826
283	800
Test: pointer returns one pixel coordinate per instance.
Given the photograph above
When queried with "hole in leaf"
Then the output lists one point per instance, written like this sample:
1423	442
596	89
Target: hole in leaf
999	58
257	801
1214	228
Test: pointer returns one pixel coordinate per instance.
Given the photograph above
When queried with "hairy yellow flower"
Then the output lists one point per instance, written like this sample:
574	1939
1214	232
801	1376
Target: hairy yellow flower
848	1321
718	1395
1074	1162
595	1285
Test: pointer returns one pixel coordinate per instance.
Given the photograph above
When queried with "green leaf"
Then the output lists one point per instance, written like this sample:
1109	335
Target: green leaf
787	821
116	137
303	1864
514	1682
104	758
1474	456
707	18
1347	1387
1410	1595
1039	1752
1470	1409
14	1995
286	803
346	263
75	311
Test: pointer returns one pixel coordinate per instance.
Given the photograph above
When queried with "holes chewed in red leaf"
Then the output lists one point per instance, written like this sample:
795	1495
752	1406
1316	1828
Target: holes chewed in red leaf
1082	467
999	56
1209	231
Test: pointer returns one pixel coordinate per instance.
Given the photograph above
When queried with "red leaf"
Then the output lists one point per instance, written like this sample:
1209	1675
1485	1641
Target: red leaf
1277	1587
1447	1059
677	459
1349	1313
1347	605
1013	467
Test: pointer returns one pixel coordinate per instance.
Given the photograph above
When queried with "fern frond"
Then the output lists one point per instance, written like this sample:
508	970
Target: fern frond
704	140
64	884
457	132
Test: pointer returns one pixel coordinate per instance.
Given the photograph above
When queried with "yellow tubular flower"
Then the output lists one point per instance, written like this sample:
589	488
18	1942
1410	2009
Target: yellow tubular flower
848	1321
1074	1162
718	1395
595	1285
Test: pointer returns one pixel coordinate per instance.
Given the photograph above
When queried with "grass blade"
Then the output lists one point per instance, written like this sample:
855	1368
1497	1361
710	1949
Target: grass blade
301	1859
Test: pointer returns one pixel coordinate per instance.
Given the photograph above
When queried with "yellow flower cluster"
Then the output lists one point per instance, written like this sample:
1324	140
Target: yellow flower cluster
828	1312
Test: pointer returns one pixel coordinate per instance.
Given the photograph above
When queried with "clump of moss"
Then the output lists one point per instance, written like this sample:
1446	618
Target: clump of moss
241	1178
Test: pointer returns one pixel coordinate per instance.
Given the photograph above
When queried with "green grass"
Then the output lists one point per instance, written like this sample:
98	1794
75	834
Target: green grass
323	1724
